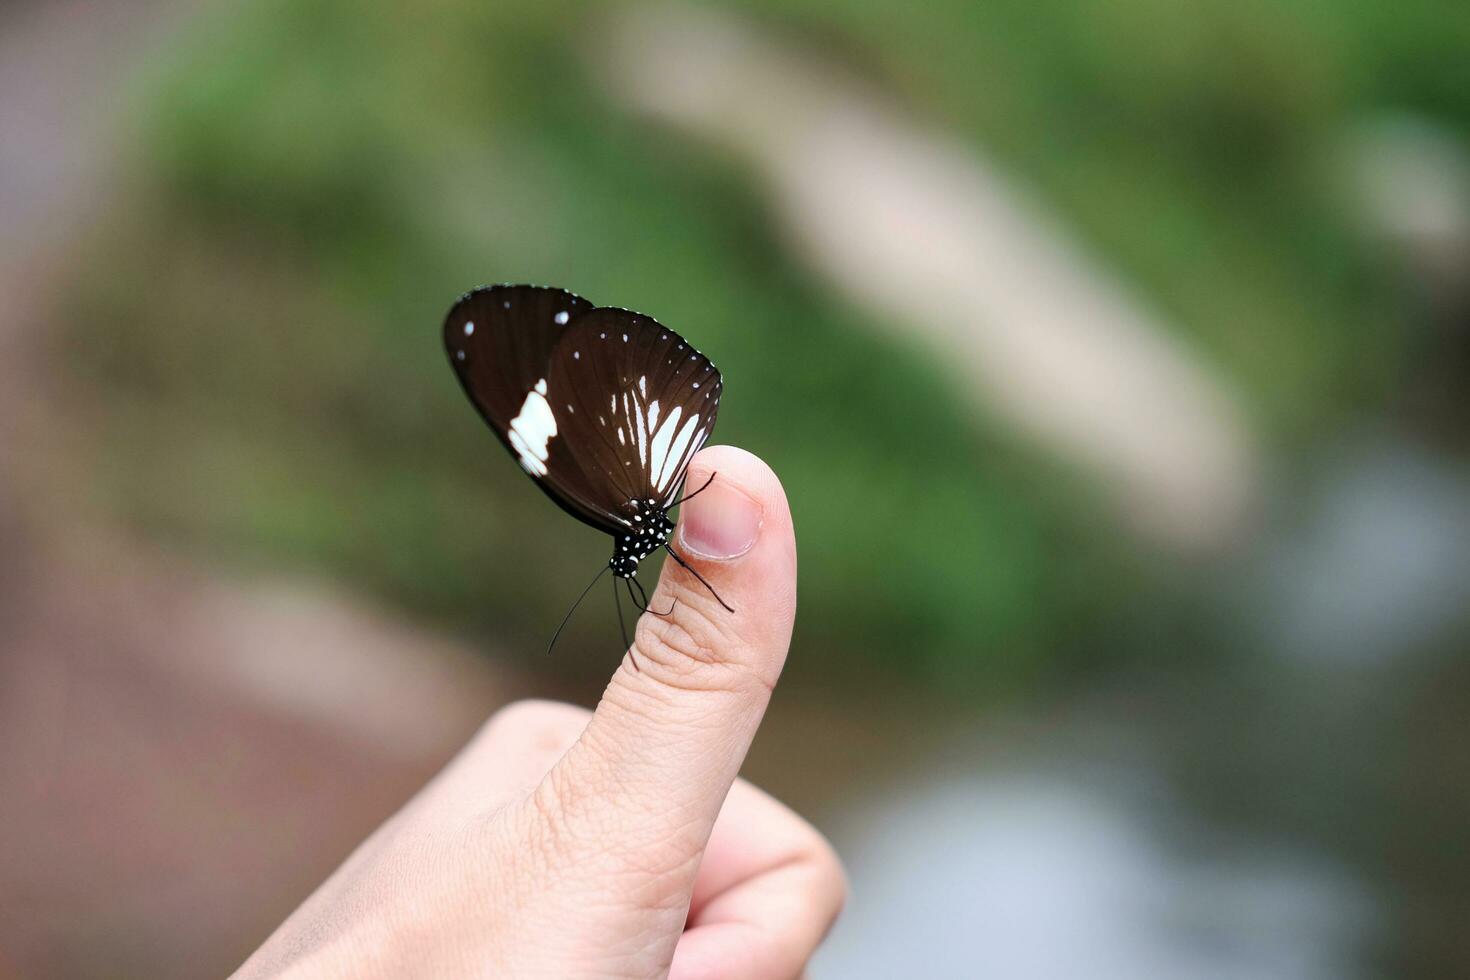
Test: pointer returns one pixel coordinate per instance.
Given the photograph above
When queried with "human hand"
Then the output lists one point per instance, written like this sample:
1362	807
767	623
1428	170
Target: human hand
562	843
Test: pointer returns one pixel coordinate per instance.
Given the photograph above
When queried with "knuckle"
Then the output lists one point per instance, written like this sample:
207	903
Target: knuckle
677	638
693	650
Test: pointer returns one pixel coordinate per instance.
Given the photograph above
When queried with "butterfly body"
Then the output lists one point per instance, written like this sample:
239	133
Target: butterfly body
602	407
630	549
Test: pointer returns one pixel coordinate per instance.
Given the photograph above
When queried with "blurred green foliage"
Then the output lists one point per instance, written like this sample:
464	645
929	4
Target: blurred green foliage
317	180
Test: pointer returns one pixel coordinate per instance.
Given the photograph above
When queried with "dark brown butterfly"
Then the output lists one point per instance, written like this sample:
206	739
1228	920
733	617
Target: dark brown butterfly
602	407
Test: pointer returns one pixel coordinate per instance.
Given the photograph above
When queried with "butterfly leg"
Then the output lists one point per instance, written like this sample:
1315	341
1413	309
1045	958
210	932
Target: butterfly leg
645	607
695	493
691	571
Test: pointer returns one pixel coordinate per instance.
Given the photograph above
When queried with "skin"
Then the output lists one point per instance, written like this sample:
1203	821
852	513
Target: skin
614	843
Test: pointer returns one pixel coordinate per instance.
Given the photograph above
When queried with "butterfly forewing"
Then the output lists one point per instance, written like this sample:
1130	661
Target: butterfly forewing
499	340
635	402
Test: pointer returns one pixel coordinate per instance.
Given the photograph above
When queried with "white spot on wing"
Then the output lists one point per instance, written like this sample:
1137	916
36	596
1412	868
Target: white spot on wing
469	329
532	429
562	317
643	386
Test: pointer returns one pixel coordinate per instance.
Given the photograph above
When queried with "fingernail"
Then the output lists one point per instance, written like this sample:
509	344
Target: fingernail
720	523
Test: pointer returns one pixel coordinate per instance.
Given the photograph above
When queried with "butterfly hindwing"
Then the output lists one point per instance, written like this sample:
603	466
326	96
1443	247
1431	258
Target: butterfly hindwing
634	402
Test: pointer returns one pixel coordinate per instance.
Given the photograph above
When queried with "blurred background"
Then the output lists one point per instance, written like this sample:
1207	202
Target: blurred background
1114	357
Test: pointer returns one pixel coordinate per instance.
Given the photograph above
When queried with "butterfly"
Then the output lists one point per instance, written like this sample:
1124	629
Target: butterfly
602	407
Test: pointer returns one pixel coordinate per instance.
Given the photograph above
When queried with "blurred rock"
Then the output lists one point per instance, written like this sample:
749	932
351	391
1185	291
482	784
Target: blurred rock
1410	181
1410	184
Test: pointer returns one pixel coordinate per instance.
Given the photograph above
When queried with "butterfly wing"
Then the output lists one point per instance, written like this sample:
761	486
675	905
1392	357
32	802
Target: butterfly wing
499	340
634	402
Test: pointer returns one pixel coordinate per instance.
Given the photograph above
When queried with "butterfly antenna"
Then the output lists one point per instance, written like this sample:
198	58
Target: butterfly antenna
646	609
568	616
695	493
691	571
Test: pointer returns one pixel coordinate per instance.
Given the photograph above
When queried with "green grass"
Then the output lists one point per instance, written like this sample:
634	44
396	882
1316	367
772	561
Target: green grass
317	180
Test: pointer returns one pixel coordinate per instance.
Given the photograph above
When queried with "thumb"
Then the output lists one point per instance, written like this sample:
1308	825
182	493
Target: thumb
651	770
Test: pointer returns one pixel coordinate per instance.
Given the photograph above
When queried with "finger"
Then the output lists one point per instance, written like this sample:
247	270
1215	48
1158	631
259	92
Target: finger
507	758
768	890
651	770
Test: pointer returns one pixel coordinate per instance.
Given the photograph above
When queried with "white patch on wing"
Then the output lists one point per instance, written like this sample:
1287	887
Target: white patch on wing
679	465
532	429
640	429
658	452
673	462
643	386
694	446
